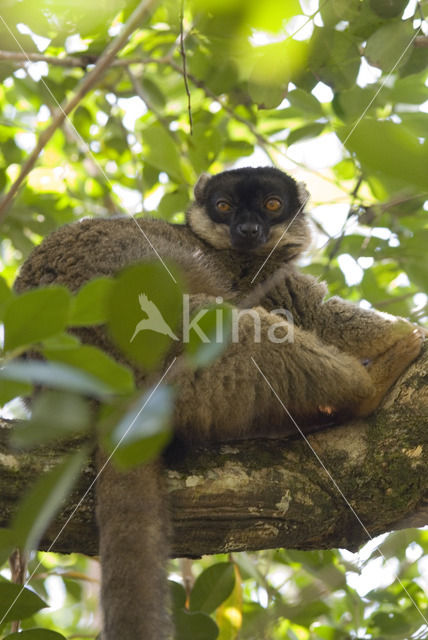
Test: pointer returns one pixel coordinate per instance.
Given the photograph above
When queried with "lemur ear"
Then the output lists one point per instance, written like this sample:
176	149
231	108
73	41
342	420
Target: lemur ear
200	186
302	194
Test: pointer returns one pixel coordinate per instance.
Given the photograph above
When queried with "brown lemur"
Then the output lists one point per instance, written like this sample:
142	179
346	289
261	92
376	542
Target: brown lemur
242	223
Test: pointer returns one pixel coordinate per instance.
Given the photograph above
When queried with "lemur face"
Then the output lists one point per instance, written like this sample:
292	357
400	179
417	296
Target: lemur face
247	209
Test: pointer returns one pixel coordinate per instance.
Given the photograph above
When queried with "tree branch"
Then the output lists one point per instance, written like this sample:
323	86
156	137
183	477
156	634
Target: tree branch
87	83
272	493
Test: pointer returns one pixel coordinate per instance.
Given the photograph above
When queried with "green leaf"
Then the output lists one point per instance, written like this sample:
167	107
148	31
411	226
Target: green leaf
91	303
61	341
267	96
46	496
6	296
35	634
325	632
96	363
144	430
418	61
207	334
19	239
345	169
392	622
220	75
305	613
3	175
236	149
54	415
9	389
55	375
160	150
335	11
212	587
17	602
208	139
197	626
417	270
82	120
305	133
178	594
93	188
153	92
350	104
313	561
270	15
389	149
172	203
416	123
228	615
388	8
35	315
334	58
275	65
389	47
306	102
410	90
145	310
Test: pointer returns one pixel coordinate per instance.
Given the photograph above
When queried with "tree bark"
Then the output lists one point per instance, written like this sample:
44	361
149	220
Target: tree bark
339	488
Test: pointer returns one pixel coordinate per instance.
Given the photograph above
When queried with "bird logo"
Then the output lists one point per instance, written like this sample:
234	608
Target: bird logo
154	320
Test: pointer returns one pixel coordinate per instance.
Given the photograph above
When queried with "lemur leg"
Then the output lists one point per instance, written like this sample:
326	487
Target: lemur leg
389	366
238	400
364	333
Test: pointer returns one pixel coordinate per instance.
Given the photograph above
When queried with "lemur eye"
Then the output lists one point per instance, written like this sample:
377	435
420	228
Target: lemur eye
223	206
273	204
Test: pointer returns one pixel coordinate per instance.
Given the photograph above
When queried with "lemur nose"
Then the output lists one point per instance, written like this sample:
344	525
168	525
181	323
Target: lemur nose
249	229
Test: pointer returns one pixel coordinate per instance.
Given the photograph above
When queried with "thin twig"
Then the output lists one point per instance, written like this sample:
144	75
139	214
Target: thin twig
82	61
339	239
184	59
87	83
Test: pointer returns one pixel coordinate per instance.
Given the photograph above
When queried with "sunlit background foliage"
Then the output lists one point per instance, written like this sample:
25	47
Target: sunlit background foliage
334	92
